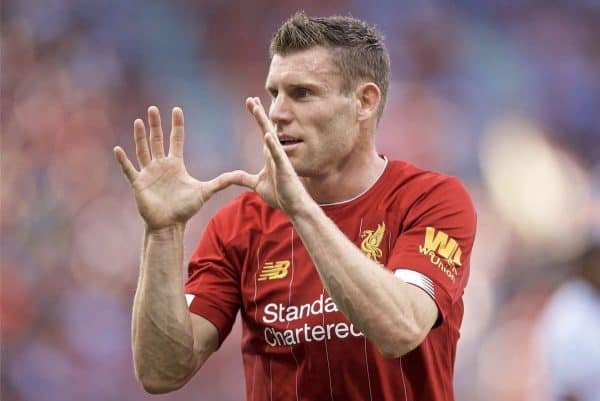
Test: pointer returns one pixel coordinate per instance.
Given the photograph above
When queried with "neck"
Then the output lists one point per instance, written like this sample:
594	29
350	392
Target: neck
348	181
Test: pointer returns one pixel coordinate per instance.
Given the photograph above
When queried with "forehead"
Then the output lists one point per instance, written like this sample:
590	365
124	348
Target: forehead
314	65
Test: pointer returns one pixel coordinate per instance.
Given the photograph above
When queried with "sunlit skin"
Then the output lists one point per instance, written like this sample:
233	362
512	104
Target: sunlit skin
333	154
337	136
318	148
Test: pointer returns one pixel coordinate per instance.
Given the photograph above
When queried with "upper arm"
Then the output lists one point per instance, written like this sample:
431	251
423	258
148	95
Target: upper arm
414	315
206	339
213	287
424	308
434	249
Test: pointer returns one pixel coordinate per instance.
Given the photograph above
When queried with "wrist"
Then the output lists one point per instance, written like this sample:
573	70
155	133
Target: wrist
166	232
308	209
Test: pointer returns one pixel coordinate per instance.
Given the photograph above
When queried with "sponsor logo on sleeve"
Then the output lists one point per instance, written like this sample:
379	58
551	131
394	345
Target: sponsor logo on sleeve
443	251
371	242
274	270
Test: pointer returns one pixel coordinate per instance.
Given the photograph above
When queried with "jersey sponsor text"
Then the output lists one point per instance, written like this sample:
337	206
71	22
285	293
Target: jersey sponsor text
443	251
277	312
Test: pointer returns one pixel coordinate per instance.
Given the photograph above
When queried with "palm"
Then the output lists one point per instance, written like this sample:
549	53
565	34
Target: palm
164	191
266	188
276	183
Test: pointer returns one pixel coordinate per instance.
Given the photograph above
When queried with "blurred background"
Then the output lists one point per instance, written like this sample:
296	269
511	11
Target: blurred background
503	94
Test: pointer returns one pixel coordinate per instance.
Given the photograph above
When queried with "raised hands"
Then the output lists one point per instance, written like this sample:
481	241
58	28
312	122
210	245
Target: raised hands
165	193
277	183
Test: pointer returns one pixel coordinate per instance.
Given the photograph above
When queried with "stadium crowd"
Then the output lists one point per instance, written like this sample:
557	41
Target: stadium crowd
504	94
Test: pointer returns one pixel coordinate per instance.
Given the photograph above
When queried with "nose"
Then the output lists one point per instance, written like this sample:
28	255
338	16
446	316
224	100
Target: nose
279	111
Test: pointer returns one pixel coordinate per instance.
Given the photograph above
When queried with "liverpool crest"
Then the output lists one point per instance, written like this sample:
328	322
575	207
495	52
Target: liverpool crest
371	242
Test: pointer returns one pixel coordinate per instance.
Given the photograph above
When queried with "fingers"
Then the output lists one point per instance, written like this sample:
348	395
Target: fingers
156	134
177	133
274	148
141	144
276	152
238	177
256	108
128	169
242	178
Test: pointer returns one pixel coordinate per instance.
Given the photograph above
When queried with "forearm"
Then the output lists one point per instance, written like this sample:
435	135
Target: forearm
375	301
162	335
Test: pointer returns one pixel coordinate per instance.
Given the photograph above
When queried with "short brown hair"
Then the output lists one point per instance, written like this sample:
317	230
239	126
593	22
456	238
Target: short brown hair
357	48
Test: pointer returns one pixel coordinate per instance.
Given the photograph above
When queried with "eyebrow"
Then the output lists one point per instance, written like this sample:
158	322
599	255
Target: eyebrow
295	85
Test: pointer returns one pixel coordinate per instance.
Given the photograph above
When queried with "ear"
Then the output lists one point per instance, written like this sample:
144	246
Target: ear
368	96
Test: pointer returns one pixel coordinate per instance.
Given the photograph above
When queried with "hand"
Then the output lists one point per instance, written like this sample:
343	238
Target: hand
277	183
164	192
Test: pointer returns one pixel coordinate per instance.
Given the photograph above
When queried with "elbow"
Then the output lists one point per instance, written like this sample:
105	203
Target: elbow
154	383
394	350
157	375
153	389
159	388
400	342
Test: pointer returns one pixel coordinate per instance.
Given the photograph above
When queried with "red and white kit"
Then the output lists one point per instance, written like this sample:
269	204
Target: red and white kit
296	345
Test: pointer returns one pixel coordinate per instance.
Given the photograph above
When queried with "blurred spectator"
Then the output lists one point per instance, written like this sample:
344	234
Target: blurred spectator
568	334
75	74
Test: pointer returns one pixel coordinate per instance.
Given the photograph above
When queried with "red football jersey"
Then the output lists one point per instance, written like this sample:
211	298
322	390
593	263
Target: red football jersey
296	344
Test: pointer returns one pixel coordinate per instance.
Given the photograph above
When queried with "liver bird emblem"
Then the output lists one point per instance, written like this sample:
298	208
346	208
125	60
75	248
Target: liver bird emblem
371	241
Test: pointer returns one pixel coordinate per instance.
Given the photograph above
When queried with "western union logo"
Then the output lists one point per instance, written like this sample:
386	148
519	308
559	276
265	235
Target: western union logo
371	241
274	270
444	246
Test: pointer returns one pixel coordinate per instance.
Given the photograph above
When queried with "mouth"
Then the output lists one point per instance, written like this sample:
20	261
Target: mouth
287	141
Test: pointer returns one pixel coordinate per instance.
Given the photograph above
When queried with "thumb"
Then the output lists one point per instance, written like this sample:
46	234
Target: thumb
237	177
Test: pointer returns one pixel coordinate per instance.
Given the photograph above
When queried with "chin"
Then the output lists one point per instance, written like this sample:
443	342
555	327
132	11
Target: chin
305	170
299	168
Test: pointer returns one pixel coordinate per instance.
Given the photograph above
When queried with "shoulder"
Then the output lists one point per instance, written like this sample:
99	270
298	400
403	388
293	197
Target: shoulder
418	179
422	187
424	198
246	213
247	207
245	204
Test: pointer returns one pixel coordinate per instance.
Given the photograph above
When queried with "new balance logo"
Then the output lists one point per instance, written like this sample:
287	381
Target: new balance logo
444	246
274	270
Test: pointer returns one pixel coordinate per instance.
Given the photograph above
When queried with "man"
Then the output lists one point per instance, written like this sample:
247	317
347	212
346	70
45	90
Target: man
347	269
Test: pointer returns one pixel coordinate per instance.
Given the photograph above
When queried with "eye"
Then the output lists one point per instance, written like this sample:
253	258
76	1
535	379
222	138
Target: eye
300	93
273	92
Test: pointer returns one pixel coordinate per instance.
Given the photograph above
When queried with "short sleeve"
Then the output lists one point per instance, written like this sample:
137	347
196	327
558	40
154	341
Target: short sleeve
213	287
434	248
